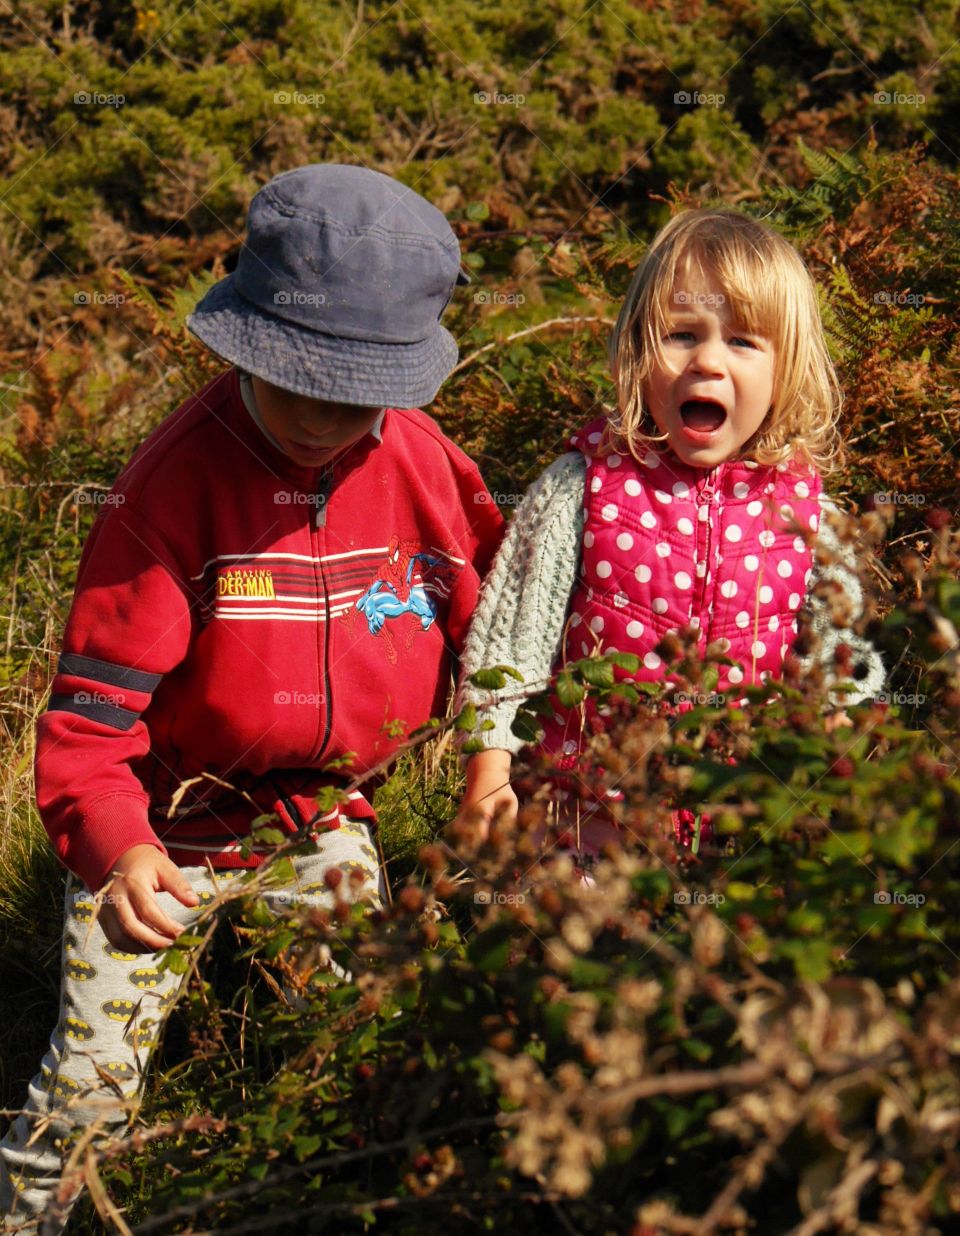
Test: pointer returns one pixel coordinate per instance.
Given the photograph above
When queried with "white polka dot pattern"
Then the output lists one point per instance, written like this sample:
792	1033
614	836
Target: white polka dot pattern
657	556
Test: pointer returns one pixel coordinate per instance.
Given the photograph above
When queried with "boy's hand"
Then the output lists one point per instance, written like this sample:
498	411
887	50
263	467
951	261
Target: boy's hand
130	915
488	789
835	719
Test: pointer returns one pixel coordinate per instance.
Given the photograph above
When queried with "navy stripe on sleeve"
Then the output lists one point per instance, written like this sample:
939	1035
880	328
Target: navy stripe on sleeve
107	714
105	671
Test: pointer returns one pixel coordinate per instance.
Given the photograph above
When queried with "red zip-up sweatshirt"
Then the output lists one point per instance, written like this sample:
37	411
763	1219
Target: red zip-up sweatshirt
240	622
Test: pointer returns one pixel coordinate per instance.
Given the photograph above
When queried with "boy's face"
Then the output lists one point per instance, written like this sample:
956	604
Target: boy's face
311	431
716	388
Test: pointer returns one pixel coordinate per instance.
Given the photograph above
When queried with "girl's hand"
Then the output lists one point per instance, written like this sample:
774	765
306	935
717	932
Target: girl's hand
130	915
488	790
835	720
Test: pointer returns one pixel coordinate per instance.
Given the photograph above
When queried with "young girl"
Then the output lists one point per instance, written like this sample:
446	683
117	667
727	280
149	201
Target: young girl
681	508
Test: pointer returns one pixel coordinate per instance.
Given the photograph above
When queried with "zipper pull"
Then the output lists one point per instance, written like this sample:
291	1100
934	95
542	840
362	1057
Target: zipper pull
324	485
705	487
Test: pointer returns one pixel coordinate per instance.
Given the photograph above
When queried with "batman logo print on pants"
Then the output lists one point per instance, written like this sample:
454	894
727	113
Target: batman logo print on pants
79	970
65	1087
117	955
118	1010
145	976
119	1070
76	1028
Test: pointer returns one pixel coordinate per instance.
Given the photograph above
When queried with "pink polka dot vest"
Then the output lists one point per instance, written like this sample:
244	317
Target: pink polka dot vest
667	545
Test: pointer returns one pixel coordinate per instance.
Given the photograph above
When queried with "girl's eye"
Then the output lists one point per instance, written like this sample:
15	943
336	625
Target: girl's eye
740	339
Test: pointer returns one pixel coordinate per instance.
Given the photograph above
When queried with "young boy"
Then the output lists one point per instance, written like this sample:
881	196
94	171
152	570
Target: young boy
282	578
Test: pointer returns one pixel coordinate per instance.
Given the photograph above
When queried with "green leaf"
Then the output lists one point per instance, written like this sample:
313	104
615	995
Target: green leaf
278	942
467	718
494	676
597	671
282	871
306	1145
526	726
476	212
259	914
948	597
271	836
176	961
805	921
812	959
629	662
488	679
587	973
847	845
490	950
569	692
698	1049
711	677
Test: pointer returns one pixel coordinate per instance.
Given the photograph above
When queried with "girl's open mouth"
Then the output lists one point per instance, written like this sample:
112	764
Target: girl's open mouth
701	418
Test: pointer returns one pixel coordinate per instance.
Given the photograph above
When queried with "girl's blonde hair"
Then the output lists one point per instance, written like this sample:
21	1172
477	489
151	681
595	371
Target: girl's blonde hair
769	292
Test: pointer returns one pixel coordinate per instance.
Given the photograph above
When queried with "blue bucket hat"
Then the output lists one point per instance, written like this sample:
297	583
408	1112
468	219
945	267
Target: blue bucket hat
339	290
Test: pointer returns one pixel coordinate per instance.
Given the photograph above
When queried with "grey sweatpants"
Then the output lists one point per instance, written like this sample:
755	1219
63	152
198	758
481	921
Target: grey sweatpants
111	1006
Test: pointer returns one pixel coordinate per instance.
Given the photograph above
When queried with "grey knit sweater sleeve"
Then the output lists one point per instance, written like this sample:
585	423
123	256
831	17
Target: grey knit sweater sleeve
520	616
523	605
868	669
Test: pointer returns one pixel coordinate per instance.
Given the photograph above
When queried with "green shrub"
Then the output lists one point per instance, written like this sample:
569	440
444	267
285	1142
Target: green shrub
754	1037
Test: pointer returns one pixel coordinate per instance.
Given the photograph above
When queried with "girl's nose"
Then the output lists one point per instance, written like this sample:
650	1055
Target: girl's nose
707	357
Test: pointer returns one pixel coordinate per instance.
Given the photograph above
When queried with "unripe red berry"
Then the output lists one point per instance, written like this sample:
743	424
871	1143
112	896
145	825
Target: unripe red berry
411	899
938	517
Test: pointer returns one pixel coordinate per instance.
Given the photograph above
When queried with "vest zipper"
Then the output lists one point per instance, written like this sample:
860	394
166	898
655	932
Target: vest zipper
705	490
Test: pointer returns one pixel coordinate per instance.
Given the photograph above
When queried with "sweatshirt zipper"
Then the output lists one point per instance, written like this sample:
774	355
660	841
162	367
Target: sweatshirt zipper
323	491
